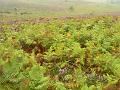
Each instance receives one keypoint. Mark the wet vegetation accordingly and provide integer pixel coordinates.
(68, 53)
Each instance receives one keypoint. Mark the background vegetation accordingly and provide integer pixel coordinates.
(51, 8)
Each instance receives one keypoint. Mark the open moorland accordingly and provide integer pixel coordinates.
(60, 46)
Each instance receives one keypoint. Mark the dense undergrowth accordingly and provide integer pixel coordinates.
(61, 55)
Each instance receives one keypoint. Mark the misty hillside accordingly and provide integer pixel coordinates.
(42, 5)
(57, 7)
(38, 3)
(51, 3)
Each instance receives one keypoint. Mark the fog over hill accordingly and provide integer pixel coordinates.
(62, 7)
(39, 2)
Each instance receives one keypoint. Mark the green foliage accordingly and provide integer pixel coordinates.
(60, 86)
(60, 55)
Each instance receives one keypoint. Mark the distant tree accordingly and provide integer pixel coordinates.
(15, 9)
(66, 0)
(71, 8)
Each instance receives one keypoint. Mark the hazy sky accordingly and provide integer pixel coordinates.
(54, 0)
(68, 0)
(38, 1)
(96, 0)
